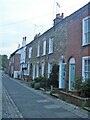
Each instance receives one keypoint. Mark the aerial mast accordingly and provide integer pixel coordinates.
(57, 8)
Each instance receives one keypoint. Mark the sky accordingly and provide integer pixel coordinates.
(20, 18)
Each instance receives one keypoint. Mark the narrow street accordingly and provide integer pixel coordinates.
(21, 101)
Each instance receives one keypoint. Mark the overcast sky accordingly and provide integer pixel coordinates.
(19, 18)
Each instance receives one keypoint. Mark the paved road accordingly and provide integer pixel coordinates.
(21, 101)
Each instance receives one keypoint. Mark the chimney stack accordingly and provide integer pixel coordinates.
(24, 41)
(58, 18)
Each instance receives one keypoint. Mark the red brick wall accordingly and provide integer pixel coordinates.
(17, 62)
(86, 51)
(74, 42)
(7, 67)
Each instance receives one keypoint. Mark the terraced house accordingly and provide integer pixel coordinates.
(66, 44)
(46, 49)
(78, 45)
(17, 61)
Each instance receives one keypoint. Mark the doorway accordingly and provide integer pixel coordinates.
(71, 73)
(62, 75)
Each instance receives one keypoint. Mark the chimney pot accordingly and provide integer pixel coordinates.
(62, 15)
(25, 38)
(58, 15)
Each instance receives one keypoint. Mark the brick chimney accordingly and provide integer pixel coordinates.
(58, 18)
(37, 35)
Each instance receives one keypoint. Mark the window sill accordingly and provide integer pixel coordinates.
(38, 56)
(43, 54)
(83, 45)
(50, 53)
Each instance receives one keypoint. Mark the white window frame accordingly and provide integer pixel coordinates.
(83, 66)
(28, 68)
(83, 31)
(44, 48)
(43, 68)
(34, 67)
(37, 70)
(30, 52)
(50, 49)
(38, 50)
(49, 69)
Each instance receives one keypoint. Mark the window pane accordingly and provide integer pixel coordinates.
(89, 24)
(30, 52)
(89, 68)
(44, 48)
(37, 70)
(52, 45)
(88, 37)
(88, 74)
(42, 69)
(86, 68)
(38, 50)
(86, 62)
(89, 65)
(86, 26)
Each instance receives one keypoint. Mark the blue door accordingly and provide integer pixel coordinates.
(71, 76)
(62, 75)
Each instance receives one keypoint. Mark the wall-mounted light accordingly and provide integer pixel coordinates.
(62, 58)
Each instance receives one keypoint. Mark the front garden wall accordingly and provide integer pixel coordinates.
(76, 100)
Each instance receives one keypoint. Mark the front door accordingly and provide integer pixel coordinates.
(71, 76)
(62, 75)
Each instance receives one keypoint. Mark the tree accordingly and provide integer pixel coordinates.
(54, 76)
(3, 60)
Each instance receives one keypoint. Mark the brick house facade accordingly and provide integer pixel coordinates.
(46, 50)
(67, 43)
(75, 48)
(7, 67)
(14, 63)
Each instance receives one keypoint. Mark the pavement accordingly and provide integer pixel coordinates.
(23, 101)
(0, 94)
